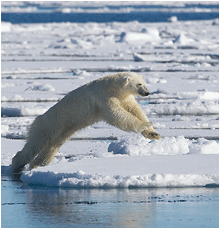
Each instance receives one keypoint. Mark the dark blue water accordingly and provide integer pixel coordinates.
(57, 6)
(31, 206)
(103, 17)
(46, 14)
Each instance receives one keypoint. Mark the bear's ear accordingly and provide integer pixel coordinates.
(126, 80)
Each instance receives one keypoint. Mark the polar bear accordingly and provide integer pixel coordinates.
(110, 99)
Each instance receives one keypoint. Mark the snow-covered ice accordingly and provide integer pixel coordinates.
(124, 173)
(179, 61)
(135, 162)
(139, 146)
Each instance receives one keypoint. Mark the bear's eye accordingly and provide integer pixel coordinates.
(139, 84)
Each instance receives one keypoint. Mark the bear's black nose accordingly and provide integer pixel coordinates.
(147, 93)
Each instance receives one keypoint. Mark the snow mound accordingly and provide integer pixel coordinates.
(140, 146)
(148, 35)
(181, 39)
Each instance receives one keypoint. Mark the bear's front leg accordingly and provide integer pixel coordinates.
(134, 108)
(117, 116)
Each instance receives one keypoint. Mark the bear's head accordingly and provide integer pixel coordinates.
(134, 84)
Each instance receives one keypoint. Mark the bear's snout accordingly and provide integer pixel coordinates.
(143, 92)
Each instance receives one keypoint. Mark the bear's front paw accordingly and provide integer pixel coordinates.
(153, 135)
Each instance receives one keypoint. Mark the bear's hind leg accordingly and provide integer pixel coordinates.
(49, 151)
(24, 157)
(44, 157)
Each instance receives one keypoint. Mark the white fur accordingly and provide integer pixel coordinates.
(110, 99)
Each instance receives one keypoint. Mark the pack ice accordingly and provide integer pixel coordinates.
(179, 63)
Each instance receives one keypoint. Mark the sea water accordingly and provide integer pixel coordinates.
(25, 206)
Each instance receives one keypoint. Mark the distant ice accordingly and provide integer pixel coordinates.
(149, 35)
(182, 39)
(22, 111)
(46, 87)
(172, 19)
(5, 27)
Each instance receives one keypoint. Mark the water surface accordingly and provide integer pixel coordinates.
(40, 206)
